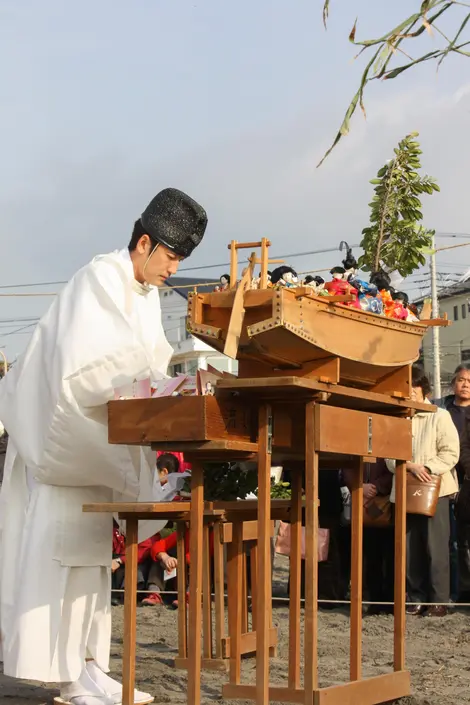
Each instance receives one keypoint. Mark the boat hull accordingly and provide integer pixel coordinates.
(282, 331)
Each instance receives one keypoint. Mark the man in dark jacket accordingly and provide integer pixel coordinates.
(458, 405)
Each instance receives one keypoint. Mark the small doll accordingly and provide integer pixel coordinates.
(224, 283)
(349, 262)
(401, 311)
(338, 286)
(382, 281)
(284, 277)
(317, 284)
(413, 313)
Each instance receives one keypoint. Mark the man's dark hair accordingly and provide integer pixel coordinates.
(168, 461)
(136, 235)
(463, 367)
(419, 379)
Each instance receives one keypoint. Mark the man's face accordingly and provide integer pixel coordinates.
(162, 264)
(462, 386)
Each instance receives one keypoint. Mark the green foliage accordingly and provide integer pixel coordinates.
(385, 49)
(228, 481)
(280, 490)
(395, 237)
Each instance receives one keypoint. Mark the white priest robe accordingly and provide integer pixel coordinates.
(103, 331)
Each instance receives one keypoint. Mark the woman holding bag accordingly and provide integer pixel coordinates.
(435, 453)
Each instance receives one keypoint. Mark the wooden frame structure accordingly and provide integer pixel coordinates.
(308, 366)
(216, 641)
(373, 425)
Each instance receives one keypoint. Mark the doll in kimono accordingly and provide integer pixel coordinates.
(382, 281)
(401, 310)
(338, 286)
(316, 284)
(350, 263)
(413, 313)
(284, 277)
(368, 296)
(224, 283)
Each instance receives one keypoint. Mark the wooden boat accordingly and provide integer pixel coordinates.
(291, 331)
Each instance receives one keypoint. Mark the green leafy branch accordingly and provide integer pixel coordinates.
(395, 237)
(385, 48)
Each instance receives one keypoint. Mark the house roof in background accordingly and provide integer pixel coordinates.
(184, 285)
(449, 291)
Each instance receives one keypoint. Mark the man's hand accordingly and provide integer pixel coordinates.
(369, 492)
(419, 471)
(115, 565)
(167, 561)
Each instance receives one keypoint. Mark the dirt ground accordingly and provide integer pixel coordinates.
(438, 655)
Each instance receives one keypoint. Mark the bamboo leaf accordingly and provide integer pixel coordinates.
(396, 72)
(352, 33)
(453, 42)
(344, 129)
(326, 12)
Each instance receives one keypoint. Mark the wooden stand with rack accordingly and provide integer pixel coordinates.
(377, 429)
(317, 380)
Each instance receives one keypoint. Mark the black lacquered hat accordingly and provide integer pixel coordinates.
(175, 220)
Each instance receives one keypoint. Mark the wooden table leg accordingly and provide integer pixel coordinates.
(219, 590)
(254, 583)
(244, 594)
(235, 596)
(400, 567)
(264, 596)
(181, 587)
(295, 580)
(311, 557)
(195, 581)
(356, 572)
(130, 612)
(206, 597)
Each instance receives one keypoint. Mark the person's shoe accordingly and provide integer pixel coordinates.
(416, 610)
(437, 611)
(113, 688)
(153, 599)
(84, 691)
(174, 604)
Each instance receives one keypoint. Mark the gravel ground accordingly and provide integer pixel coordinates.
(438, 656)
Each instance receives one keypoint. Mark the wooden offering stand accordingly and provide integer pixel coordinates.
(290, 418)
(317, 381)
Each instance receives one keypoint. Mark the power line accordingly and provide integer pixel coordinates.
(18, 330)
(185, 269)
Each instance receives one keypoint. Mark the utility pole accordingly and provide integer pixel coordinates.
(436, 347)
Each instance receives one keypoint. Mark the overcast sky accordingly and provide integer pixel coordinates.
(106, 102)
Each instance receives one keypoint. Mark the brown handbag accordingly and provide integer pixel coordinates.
(378, 513)
(422, 497)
